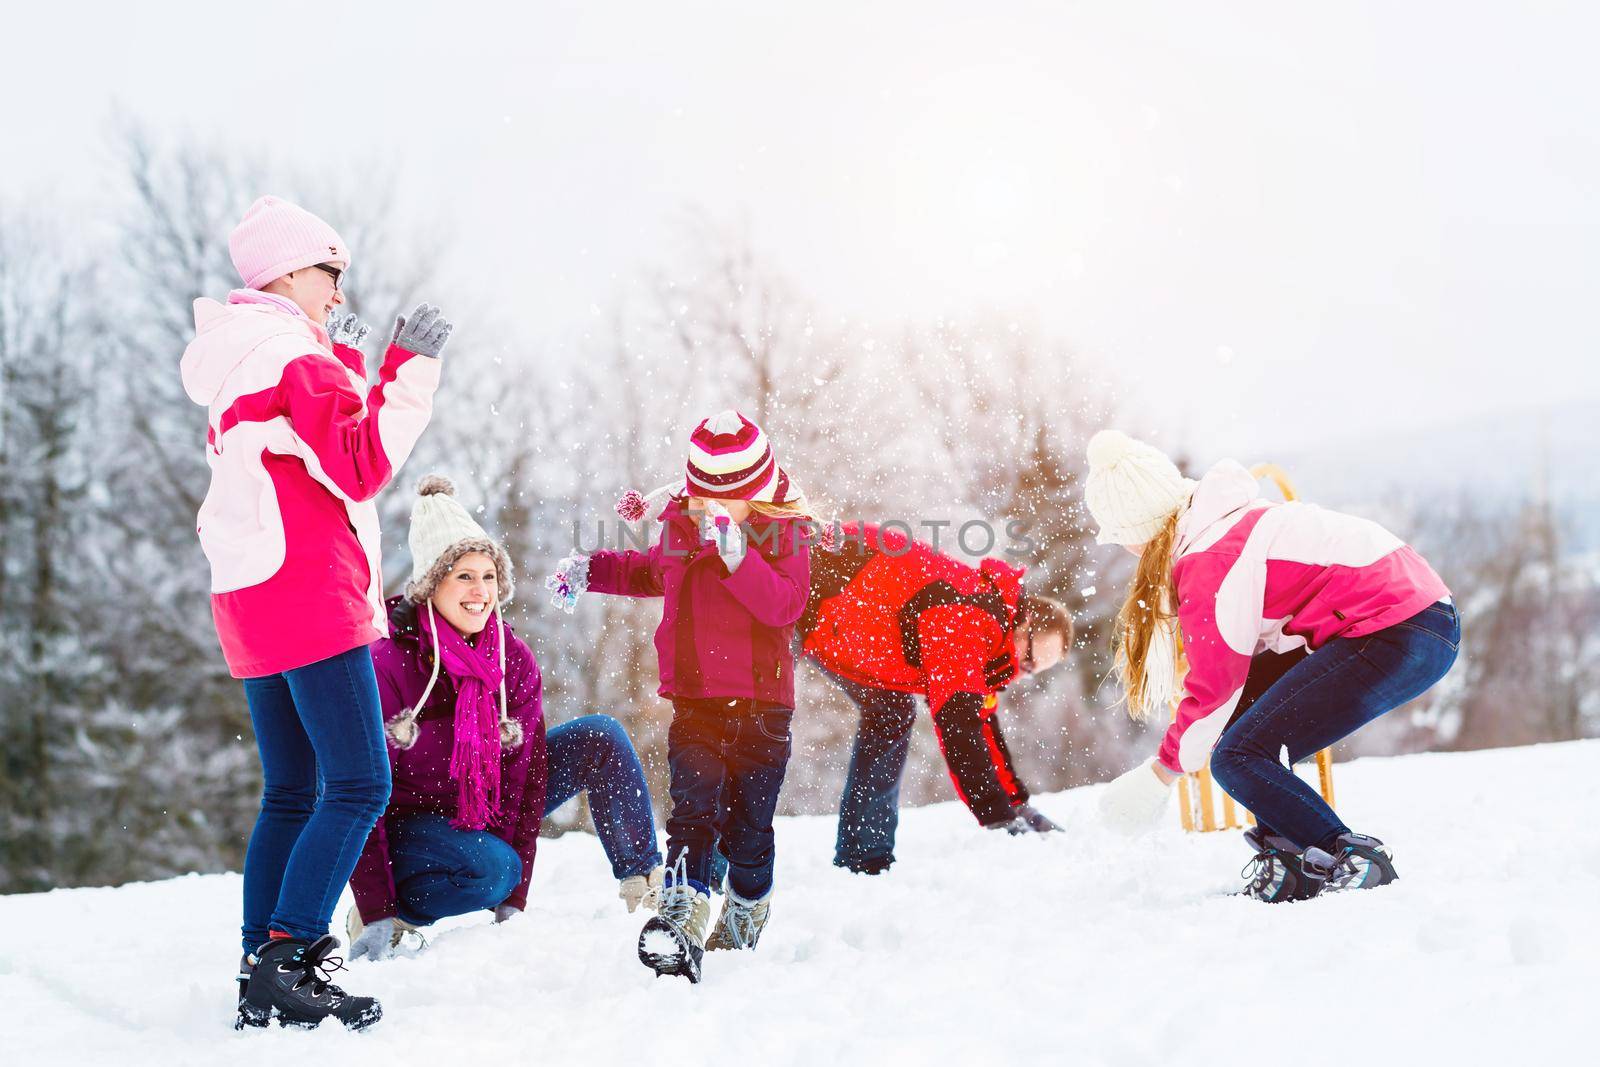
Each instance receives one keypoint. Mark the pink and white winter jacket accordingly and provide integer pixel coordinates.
(298, 448)
(1257, 576)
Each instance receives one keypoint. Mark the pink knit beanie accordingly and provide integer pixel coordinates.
(276, 237)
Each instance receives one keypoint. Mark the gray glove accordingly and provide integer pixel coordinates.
(506, 911)
(424, 333)
(377, 942)
(347, 329)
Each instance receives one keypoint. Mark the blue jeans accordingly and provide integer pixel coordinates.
(1321, 698)
(727, 759)
(441, 871)
(869, 809)
(593, 754)
(325, 781)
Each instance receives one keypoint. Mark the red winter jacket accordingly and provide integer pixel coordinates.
(299, 446)
(892, 613)
(721, 635)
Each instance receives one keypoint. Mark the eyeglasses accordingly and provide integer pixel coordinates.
(334, 272)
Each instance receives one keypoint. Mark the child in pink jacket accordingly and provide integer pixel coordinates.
(733, 568)
(1299, 625)
(298, 447)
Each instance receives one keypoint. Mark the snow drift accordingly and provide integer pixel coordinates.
(977, 948)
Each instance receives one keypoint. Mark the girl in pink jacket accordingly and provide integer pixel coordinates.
(298, 447)
(1299, 626)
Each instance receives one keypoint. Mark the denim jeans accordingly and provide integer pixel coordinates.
(869, 809)
(727, 759)
(441, 871)
(593, 754)
(1317, 700)
(325, 781)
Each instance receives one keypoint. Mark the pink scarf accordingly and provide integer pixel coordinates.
(476, 671)
(281, 303)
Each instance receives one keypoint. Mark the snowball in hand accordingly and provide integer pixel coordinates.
(1134, 800)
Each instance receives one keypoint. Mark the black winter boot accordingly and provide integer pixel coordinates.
(289, 981)
(1277, 873)
(1355, 861)
(247, 966)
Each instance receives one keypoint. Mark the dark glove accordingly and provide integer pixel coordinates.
(424, 333)
(1036, 820)
(1016, 826)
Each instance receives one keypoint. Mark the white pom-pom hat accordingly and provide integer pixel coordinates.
(441, 533)
(1132, 488)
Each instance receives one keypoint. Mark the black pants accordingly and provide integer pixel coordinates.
(727, 759)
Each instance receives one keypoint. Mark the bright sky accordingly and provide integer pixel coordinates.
(1277, 222)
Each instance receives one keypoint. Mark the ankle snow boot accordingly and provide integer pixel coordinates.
(289, 982)
(1356, 861)
(674, 941)
(741, 922)
(247, 966)
(1277, 873)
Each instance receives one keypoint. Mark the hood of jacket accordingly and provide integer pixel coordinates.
(226, 335)
(1226, 489)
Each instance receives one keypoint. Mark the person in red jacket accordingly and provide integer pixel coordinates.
(889, 617)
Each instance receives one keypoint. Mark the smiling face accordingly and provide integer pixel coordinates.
(312, 289)
(467, 593)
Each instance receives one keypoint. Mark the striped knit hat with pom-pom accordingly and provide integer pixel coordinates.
(441, 533)
(730, 458)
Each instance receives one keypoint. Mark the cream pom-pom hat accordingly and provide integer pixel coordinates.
(1132, 488)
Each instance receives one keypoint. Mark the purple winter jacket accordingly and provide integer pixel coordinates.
(721, 635)
(422, 781)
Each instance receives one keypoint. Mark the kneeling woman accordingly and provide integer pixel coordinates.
(474, 772)
(1301, 625)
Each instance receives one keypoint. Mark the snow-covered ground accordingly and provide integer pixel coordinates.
(1082, 948)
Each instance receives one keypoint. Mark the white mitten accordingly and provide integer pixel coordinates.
(719, 526)
(1133, 801)
(569, 582)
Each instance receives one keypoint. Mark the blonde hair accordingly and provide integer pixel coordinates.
(798, 508)
(1146, 634)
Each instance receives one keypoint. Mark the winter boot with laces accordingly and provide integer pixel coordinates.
(1277, 873)
(674, 940)
(289, 982)
(741, 922)
(1355, 861)
(247, 966)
